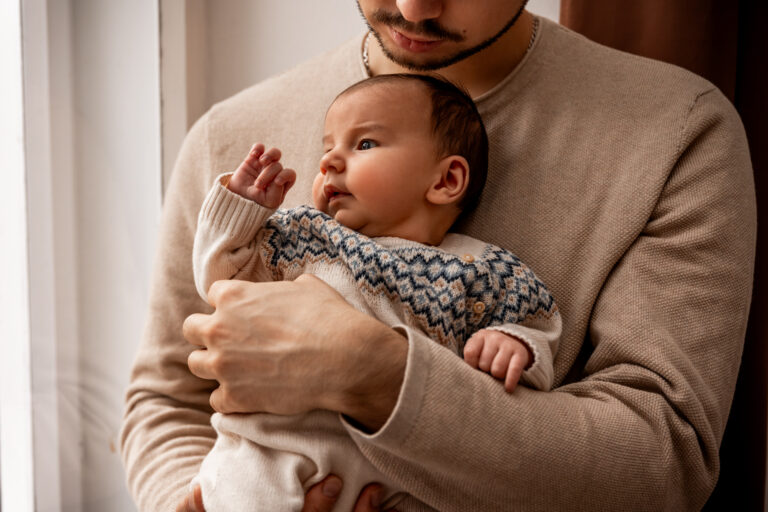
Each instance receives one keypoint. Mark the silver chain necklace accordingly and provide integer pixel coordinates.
(367, 62)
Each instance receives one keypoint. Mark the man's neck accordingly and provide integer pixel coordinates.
(478, 73)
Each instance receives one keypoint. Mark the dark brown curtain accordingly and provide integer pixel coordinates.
(725, 41)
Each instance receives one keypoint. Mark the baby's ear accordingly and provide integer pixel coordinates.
(451, 183)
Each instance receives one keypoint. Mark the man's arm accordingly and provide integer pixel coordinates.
(666, 333)
(290, 347)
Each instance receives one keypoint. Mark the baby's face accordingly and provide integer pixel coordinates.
(380, 158)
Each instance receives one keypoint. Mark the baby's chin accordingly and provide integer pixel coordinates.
(356, 222)
(347, 219)
(323, 207)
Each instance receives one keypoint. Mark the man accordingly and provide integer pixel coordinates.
(626, 185)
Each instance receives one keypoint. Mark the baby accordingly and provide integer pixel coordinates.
(405, 157)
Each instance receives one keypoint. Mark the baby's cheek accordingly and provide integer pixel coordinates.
(317, 194)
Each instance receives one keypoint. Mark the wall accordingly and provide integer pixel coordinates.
(105, 120)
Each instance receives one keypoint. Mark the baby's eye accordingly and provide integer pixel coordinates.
(366, 144)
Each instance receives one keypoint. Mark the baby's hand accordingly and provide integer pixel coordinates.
(261, 177)
(499, 354)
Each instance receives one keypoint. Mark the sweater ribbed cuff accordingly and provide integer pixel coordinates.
(408, 406)
(540, 374)
(226, 212)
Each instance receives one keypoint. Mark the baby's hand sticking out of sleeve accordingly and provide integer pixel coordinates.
(262, 178)
(503, 356)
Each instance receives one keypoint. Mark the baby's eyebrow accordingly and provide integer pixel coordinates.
(370, 127)
(357, 130)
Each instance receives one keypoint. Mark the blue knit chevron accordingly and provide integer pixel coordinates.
(438, 288)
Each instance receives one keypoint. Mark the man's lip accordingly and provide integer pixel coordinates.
(413, 44)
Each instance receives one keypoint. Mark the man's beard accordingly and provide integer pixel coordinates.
(433, 29)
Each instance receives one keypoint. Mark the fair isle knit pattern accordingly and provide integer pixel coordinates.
(448, 297)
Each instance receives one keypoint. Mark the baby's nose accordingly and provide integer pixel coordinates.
(331, 162)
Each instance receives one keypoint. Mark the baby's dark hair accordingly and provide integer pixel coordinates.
(456, 125)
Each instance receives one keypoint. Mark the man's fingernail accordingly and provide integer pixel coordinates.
(332, 487)
(376, 498)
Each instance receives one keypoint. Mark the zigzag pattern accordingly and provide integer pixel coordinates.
(438, 289)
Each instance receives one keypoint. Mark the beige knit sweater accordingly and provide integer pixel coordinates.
(624, 182)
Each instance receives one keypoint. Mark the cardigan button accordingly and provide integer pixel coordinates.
(468, 258)
(478, 307)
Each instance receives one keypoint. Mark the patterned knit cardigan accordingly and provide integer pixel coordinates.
(449, 292)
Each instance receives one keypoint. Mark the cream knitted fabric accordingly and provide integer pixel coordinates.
(624, 182)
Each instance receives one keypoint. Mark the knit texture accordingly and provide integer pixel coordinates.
(626, 183)
(449, 292)
(268, 462)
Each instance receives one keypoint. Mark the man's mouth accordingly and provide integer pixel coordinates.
(413, 43)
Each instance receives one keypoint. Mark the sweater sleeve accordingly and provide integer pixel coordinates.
(526, 310)
(226, 241)
(644, 422)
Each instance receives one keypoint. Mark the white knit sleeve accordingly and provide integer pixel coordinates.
(226, 240)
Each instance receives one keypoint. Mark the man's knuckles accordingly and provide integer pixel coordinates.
(213, 330)
(233, 399)
(218, 363)
(218, 401)
(225, 291)
(307, 279)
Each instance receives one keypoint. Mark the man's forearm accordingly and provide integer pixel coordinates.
(462, 442)
(376, 376)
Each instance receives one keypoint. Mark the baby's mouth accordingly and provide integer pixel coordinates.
(333, 193)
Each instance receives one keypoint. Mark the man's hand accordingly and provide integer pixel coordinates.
(323, 495)
(320, 498)
(291, 347)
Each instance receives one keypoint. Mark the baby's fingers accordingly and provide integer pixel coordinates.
(286, 188)
(517, 364)
(501, 360)
(487, 355)
(268, 175)
(276, 190)
(248, 170)
(472, 349)
(256, 150)
(285, 180)
(269, 156)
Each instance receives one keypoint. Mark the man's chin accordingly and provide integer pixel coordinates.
(416, 62)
